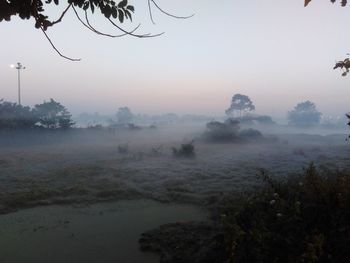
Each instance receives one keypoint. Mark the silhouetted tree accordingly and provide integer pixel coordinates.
(124, 115)
(304, 114)
(240, 103)
(53, 115)
(14, 116)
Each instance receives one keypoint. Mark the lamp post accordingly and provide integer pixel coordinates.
(19, 67)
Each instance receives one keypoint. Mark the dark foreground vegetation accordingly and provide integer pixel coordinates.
(303, 218)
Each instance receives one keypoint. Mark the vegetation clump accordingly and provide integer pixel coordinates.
(301, 219)
(222, 131)
(123, 148)
(47, 115)
(250, 134)
(229, 131)
(186, 150)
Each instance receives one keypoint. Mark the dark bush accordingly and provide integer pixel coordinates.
(250, 134)
(123, 148)
(222, 131)
(186, 150)
(132, 126)
(301, 219)
(157, 151)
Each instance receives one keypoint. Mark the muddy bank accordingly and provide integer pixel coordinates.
(105, 232)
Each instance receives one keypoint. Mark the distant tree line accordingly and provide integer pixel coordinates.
(304, 114)
(47, 115)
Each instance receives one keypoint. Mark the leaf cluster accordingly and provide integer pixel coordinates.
(26, 9)
(342, 2)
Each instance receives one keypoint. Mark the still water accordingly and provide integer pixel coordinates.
(105, 232)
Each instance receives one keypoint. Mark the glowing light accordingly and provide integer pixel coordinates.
(12, 66)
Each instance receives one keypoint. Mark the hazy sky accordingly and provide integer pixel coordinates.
(275, 51)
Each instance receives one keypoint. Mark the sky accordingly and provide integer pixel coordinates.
(275, 51)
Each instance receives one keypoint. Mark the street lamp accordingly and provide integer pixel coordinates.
(19, 67)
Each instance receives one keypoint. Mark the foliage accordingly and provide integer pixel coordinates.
(112, 10)
(53, 115)
(157, 151)
(344, 65)
(250, 134)
(304, 114)
(134, 127)
(240, 103)
(222, 131)
(304, 218)
(186, 150)
(123, 148)
(342, 2)
(124, 115)
(27, 9)
(14, 116)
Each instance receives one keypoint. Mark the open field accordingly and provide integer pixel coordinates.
(86, 166)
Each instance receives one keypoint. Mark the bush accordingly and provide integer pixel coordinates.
(228, 131)
(222, 131)
(132, 126)
(123, 148)
(157, 151)
(186, 150)
(250, 134)
(301, 219)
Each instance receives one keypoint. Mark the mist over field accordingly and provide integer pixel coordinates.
(174, 131)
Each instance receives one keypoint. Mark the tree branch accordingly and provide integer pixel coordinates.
(132, 34)
(168, 14)
(63, 14)
(104, 34)
(150, 11)
(53, 46)
(94, 30)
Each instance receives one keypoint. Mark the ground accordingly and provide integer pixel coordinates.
(86, 166)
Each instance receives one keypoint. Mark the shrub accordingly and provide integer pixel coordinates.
(250, 134)
(132, 126)
(186, 150)
(301, 219)
(222, 131)
(157, 151)
(123, 148)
